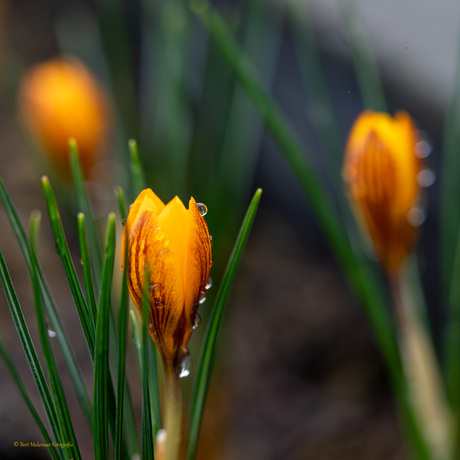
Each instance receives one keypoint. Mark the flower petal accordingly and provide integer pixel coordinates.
(149, 250)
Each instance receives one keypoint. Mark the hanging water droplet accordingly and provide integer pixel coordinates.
(51, 333)
(416, 216)
(123, 222)
(211, 263)
(426, 177)
(147, 266)
(202, 298)
(422, 148)
(196, 321)
(202, 208)
(210, 237)
(150, 325)
(208, 284)
(131, 205)
(185, 365)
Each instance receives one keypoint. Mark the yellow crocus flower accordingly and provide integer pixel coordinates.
(380, 170)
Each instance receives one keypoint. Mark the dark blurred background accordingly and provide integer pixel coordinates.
(299, 375)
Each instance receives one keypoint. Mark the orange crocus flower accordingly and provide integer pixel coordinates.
(380, 170)
(59, 99)
(170, 244)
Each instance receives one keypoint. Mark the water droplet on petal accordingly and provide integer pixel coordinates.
(426, 177)
(185, 365)
(210, 237)
(131, 205)
(196, 321)
(123, 222)
(202, 208)
(416, 216)
(202, 298)
(150, 325)
(208, 284)
(51, 333)
(147, 266)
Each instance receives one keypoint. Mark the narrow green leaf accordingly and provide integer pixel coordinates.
(121, 366)
(87, 271)
(121, 200)
(83, 202)
(51, 310)
(25, 396)
(28, 347)
(148, 429)
(137, 172)
(209, 343)
(69, 268)
(57, 390)
(102, 379)
(370, 84)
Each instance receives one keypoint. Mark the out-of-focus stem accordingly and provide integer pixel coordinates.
(422, 372)
(172, 412)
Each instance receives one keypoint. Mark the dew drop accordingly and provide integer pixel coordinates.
(123, 222)
(131, 205)
(147, 266)
(208, 284)
(196, 321)
(51, 333)
(202, 298)
(422, 148)
(202, 208)
(426, 177)
(416, 216)
(121, 267)
(185, 365)
(150, 325)
(210, 237)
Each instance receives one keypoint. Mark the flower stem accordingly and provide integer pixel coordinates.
(422, 372)
(173, 412)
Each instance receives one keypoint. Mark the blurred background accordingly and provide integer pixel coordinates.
(298, 375)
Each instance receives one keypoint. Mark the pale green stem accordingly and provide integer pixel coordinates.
(422, 372)
(172, 412)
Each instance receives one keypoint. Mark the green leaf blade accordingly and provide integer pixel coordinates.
(209, 343)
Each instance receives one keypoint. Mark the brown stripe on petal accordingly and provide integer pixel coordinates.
(148, 250)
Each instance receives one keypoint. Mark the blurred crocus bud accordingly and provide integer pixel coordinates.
(380, 170)
(60, 99)
(168, 257)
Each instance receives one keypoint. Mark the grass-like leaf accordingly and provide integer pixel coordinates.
(137, 172)
(209, 343)
(370, 84)
(121, 366)
(57, 390)
(51, 310)
(83, 203)
(102, 378)
(148, 428)
(29, 349)
(69, 268)
(87, 271)
(25, 396)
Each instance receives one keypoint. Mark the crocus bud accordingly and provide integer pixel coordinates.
(58, 100)
(380, 170)
(171, 245)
